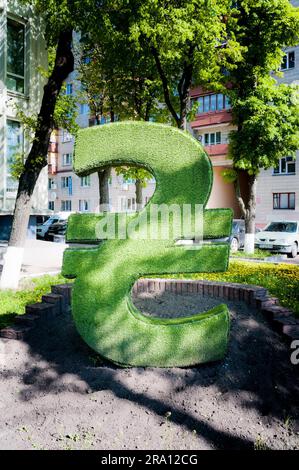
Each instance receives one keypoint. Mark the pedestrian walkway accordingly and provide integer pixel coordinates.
(40, 257)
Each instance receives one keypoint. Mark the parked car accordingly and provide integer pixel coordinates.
(237, 238)
(59, 228)
(282, 237)
(43, 229)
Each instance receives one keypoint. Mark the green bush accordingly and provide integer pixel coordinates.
(102, 307)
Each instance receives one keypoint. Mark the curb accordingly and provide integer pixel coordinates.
(59, 301)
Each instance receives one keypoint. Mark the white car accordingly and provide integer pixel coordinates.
(42, 230)
(282, 237)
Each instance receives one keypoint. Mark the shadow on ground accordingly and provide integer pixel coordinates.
(252, 396)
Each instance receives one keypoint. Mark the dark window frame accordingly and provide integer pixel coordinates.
(212, 103)
(277, 201)
(21, 78)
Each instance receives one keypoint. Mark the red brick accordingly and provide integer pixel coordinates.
(216, 290)
(15, 332)
(226, 292)
(292, 331)
(57, 300)
(178, 287)
(185, 287)
(151, 286)
(199, 287)
(221, 291)
(65, 290)
(168, 287)
(162, 285)
(27, 319)
(236, 293)
(231, 292)
(41, 309)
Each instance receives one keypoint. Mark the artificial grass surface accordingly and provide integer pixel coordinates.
(102, 307)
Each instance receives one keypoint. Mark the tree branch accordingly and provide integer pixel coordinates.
(38, 155)
(165, 87)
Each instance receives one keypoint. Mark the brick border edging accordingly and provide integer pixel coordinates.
(52, 305)
(281, 319)
(59, 301)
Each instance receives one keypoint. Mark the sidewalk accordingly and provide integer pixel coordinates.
(40, 257)
(279, 259)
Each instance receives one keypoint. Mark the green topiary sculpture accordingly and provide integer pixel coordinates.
(102, 307)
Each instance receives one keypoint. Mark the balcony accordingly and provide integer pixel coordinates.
(52, 169)
(212, 118)
(217, 150)
(53, 147)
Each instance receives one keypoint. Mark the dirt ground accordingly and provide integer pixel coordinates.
(55, 393)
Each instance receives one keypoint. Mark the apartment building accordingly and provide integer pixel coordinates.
(70, 193)
(211, 126)
(22, 53)
(278, 188)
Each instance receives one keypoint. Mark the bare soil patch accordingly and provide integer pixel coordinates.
(55, 393)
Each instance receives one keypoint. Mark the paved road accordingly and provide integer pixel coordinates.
(42, 257)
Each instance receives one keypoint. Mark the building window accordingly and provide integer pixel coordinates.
(51, 205)
(15, 147)
(15, 74)
(50, 183)
(15, 140)
(84, 108)
(85, 181)
(67, 159)
(66, 206)
(287, 166)
(284, 201)
(214, 102)
(11, 185)
(69, 89)
(288, 61)
(84, 206)
(66, 136)
(67, 183)
(213, 138)
(123, 203)
(131, 204)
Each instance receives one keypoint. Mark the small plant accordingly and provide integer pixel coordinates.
(260, 444)
(281, 280)
(288, 423)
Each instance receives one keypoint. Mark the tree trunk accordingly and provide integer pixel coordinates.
(183, 121)
(250, 215)
(104, 176)
(37, 158)
(139, 194)
(248, 211)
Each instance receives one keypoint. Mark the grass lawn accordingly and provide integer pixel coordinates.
(258, 254)
(281, 280)
(30, 292)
